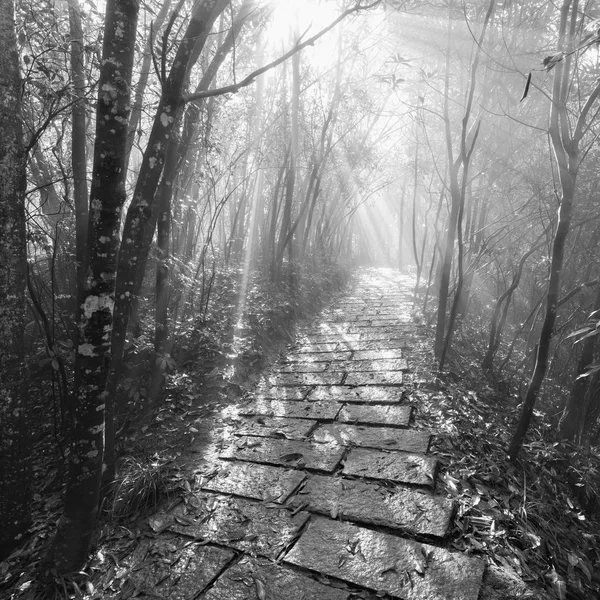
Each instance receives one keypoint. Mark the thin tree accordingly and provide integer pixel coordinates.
(15, 438)
(107, 196)
(565, 144)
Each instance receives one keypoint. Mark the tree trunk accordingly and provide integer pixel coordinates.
(107, 197)
(15, 436)
(565, 143)
(571, 422)
(140, 222)
(78, 142)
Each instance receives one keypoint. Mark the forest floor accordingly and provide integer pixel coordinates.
(351, 470)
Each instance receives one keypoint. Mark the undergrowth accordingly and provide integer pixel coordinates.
(539, 518)
(216, 354)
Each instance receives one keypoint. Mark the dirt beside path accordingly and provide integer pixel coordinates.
(321, 485)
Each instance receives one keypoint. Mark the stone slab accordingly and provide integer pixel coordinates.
(291, 429)
(382, 335)
(383, 321)
(387, 414)
(354, 365)
(333, 338)
(239, 523)
(293, 409)
(302, 367)
(377, 354)
(375, 378)
(290, 453)
(376, 344)
(400, 467)
(382, 438)
(312, 348)
(172, 567)
(261, 482)
(386, 563)
(302, 379)
(283, 393)
(365, 395)
(407, 509)
(252, 578)
(318, 357)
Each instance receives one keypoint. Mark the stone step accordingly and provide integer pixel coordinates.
(291, 429)
(259, 579)
(382, 438)
(375, 378)
(290, 453)
(238, 523)
(407, 509)
(364, 395)
(261, 482)
(385, 563)
(400, 467)
(373, 414)
(294, 409)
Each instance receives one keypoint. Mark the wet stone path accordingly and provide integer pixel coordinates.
(321, 486)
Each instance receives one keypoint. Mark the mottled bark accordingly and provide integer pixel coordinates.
(15, 439)
(140, 222)
(107, 196)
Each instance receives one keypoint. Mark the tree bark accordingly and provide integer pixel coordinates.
(15, 436)
(78, 142)
(565, 146)
(107, 196)
(140, 222)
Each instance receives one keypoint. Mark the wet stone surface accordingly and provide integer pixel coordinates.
(172, 567)
(344, 393)
(262, 482)
(385, 563)
(267, 392)
(260, 579)
(324, 441)
(400, 467)
(291, 429)
(304, 367)
(374, 437)
(380, 343)
(312, 348)
(333, 338)
(292, 379)
(375, 378)
(238, 523)
(377, 354)
(387, 414)
(374, 365)
(408, 509)
(293, 409)
(318, 357)
(290, 453)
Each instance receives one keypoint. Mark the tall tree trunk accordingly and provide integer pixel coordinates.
(78, 142)
(107, 197)
(140, 89)
(140, 222)
(15, 436)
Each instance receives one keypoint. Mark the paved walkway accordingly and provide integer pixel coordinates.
(321, 486)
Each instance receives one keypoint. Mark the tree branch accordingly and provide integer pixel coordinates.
(235, 87)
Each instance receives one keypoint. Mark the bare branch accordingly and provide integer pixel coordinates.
(235, 87)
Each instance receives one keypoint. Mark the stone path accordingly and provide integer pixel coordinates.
(321, 486)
